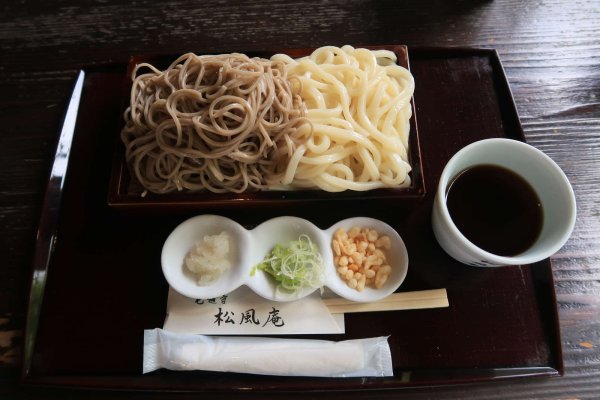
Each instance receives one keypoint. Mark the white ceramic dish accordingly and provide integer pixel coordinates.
(249, 247)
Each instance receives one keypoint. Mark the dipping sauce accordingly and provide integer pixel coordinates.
(495, 209)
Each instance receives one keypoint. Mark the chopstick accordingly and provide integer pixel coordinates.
(435, 298)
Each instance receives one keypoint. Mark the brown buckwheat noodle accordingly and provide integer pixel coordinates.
(223, 123)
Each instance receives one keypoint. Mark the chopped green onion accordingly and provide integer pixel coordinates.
(295, 266)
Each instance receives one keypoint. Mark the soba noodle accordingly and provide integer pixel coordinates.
(220, 123)
(358, 103)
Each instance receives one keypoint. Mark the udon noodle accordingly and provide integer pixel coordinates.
(358, 102)
(335, 120)
(220, 123)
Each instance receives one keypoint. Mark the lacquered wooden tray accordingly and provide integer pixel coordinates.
(105, 286)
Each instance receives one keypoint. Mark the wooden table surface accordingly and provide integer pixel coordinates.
(550, 50)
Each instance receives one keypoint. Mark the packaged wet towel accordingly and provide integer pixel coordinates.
(267, 356)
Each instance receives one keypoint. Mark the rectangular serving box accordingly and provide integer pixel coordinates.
(125, 193)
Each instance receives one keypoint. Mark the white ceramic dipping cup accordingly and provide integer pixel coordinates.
(540, 171)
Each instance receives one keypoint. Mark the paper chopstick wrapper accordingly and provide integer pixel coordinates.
(421, 299)
(267, 356)
(243, 312)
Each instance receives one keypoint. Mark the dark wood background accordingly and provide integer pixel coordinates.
(550, 50)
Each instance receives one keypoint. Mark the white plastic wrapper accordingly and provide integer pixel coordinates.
(267, 356)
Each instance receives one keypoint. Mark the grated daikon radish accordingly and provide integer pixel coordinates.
(208, 259)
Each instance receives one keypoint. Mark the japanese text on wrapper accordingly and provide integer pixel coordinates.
(249, 316)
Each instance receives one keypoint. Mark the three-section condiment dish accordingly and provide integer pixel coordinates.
(249, 247)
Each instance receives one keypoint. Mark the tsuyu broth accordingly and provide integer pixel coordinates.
(495, 209)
